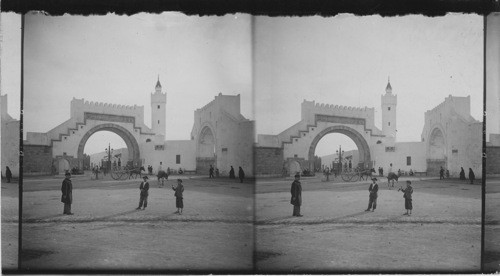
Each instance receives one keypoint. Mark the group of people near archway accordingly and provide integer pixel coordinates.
(212, 170)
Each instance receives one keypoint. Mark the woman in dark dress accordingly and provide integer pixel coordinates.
(241, 175)
(8, 174)
(471, 176)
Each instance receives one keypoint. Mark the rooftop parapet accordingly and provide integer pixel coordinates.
(79, 106)
(311, 107)
(460, 104)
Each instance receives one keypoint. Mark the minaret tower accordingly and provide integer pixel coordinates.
(389, 103)
(158, 110)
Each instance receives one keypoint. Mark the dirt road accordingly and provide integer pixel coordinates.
(336, 235)
(492, 226)
(215, 233)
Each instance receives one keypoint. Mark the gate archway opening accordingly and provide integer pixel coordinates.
(364, 157)
(436, 151)
(95, 150)
(131, 144)
(328, 149)
(205, 150)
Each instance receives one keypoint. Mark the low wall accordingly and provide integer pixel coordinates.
(493, 160)
(37, 160)
(268, 161)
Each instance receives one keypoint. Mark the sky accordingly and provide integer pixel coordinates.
(10, 69)
(117, 59)
(343, 60)
(347, 60)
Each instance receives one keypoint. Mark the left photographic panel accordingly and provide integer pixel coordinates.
(10, 85)
(138, 141)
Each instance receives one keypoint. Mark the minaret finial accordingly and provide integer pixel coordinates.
(158, 85)
(388, 88)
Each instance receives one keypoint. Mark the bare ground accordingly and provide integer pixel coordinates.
(491, 256)
(215, 232)
(336, 235)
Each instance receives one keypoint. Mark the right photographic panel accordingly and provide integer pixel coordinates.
(491, 253)
(369, 143)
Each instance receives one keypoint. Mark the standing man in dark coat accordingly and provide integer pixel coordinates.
(67, 194)
(211, 172)
(179, 204)
(231, 173)
(373, 189)
(441, 173)
(407, 196)
(241, 174)
(144, 187)
(8, 174)
(296, 200)
(471, 176)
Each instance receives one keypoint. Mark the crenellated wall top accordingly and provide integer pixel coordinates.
(322, 108)
(79, 106)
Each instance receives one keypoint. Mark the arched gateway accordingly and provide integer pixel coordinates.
(66, 142)
(297, 144)
(130, 141)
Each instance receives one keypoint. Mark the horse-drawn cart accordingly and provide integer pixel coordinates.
(123, 173)
(356, 175)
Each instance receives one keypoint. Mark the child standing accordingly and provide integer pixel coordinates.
(179, 204)
(407, 195)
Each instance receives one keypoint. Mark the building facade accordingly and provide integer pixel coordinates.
(451, 138)
(221, 137)
(10, 139)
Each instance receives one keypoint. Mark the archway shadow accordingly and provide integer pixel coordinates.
(119, 214)
(42, 218)
(268, 220)
(351, 215)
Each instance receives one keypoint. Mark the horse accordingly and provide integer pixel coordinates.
(136, 171)
(391, 176)
(366, 173)
(163, 176)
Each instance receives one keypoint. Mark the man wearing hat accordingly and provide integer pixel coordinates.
(144, 187)
(67, 193)
(373, 189)
(296, 200)
(179, 204)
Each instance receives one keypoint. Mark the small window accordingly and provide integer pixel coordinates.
(389, 123)
(454, 151)
(73, 132)
(158, 121)
(148, 140)
(408, 160)
(65, 137)
(389, 108)
(303, 134)
(178, 159)
(295, 155)
(390, 149)
(158, 106)
(296, 140)
(224, 149)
